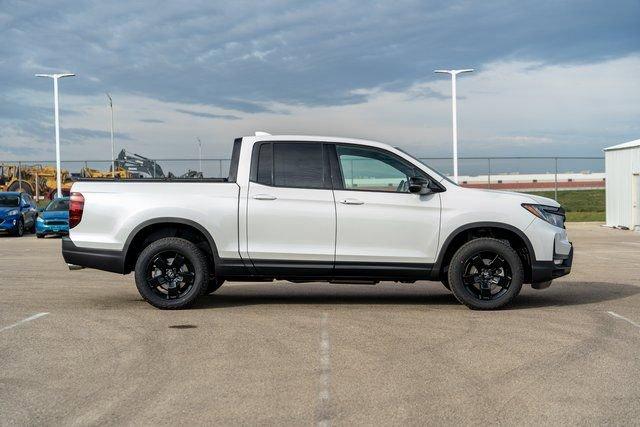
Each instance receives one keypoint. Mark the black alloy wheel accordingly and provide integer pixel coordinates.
(485, 273)
(487, 276)
(170, 275)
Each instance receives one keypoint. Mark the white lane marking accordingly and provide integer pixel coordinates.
(28, 319)
(324, 414)
(617, 316)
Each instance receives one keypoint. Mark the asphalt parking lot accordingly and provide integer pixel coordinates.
(317, 353)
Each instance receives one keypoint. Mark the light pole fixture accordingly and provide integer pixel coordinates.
(113, 153)
(454, 113)
(199, 154)
(55, 78)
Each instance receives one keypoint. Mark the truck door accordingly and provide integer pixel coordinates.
(291, 214)
(379, 223)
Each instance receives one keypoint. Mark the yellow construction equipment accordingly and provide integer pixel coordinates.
(23, 178)
(88, 172)
(36, 180)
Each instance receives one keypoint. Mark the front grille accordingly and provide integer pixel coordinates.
(56, 222)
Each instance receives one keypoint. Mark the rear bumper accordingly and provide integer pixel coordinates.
(542, 271)
(100, 259)
(51, 229)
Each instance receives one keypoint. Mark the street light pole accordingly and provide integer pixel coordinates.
(55, 78)
(454, 114)
(113, 154)
(200, 154)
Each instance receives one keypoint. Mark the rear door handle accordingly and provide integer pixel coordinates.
(351, 202)
(264, 197)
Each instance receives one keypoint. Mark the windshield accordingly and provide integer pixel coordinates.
(9, 201)
(58, 205)
(440, 174)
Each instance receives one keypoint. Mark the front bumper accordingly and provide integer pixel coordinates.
(100, 259)
(543, 271)
(8, 224)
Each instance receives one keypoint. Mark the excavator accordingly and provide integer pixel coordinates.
(141, 167)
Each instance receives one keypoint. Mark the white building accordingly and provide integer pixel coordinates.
(622, 166)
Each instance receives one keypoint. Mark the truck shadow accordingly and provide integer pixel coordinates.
(559, 294)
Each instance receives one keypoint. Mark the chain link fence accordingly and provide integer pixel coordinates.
(519, 173)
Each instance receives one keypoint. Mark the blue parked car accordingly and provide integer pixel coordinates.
(17, 213)
(54, 219)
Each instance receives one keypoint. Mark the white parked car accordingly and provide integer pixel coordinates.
(307, 208)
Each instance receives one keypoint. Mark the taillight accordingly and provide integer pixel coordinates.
(76, 206)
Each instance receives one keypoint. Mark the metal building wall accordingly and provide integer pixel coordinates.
(620, 165)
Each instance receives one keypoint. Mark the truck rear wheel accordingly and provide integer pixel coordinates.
(171, 273)
(485, 274)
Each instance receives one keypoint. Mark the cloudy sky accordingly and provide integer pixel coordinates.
(553, 77)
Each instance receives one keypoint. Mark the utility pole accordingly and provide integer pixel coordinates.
(199, 154)
(55, 78)
(113, 153)
(454, 113)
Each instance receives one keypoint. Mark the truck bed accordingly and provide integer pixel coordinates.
(114, 209)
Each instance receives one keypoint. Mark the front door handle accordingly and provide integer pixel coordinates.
(351, 202)
(264, 197)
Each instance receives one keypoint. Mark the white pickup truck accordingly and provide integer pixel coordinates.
(306, 208)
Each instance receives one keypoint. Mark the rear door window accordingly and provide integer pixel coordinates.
(265, 165)
(298, 165)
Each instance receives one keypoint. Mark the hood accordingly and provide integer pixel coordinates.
(543, 200)
(55, 215)
(521, 197)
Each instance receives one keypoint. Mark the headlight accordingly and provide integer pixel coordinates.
(13, 212)
(40, 219)
(553, 215)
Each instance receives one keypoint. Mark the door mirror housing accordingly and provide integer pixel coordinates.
(420, 186)
(423, 186)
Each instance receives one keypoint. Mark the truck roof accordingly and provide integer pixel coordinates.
(262, 136)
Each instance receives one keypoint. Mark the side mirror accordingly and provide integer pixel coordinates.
(420, 186)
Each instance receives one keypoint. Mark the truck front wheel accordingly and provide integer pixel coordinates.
(485, 274)
(171, 273)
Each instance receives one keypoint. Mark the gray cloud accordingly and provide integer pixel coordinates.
(200, 52)
(207, 115)
(151, 121)
(426, 93)
(80, 135)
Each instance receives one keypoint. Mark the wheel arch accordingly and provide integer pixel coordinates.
(468, 232)
(156, 228)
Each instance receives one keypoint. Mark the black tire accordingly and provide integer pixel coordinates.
(40, 236)
(213, 285)
(22, 186)
(19, 231)
(486, 274)
(166, 286)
